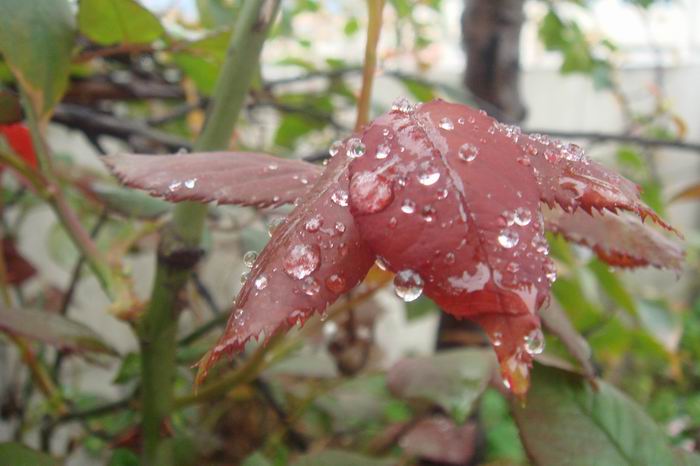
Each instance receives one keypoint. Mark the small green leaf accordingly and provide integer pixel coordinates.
(118, 22)
(36, 41)
(566, 421)
(129, 370)
(16, 454)
(351, 26)
(124, 457)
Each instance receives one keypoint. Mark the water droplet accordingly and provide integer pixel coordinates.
(408, 285)
(313, 224)
(449, 258)
(402, 105)
(174, 186)
(550, 272)
(508, 238)
(335, 148)
(551, 156)
(468, 152)
(442, 194)
(522, 216)
(429, 177)
(393, 221)
(274, 224)
(370, 192)
(296, 317)
(531, 149)
(428, 212)
(249, 258)
(512, 267)
(460, 120)
(244, 277)
(335, 283)
(340, 197)
(261, 282)
(408, 206)
(302, 260)
(507, 218)
(381, 263)
(272, 167)
(189, 184)
(340, 227)
(383, 151)
(534, 342)
(238, 313)
(356, 148)
(524, 161)
(310, 286)
(497, 339)
(446, 124)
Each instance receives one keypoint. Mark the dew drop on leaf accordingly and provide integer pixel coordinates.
(335, 148)
(468, 152)
(382, 151)
(274, 223)
(244, 277)
(335, 283)
(340, 197)
(522, 216)
(429, 177)
(408, 206)
(249, 258)
(446, 124)
(370, 192)
(356, 148)
(190, 184)
(508, 238)
(313, 224)
(310, 286)
(534, 342)
(428, 212)
(301, 260)
(497, 339)
(408, 285)
(261, 282)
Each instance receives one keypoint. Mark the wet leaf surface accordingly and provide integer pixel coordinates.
(438, 439)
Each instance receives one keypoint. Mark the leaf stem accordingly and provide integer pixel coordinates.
(374, 28)
(179, 245)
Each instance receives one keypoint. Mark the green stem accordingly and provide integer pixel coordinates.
(374, 28)
(179, 246)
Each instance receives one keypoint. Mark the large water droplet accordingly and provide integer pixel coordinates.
(335, 148)
(468, 152)
(249, 258)
(302, 260)
(508, 238)
(383, 151)
(261, 282)
(429, 177)
(310, 286)
(446, 124)
(340, 197)
(370, 192)
(335, 283)
(534, 342)
(408, 285)
(356, 148)
(522, 216)
(408, 206)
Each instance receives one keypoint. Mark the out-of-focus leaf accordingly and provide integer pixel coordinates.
(353, 405)
(690, 193)
(619, 240)
(686, 458)
(557, 322)
(53, 329)
(566, 421)
(124, 457)
(257, 459)
(202, 59)
(216, 13)
(17, 268)
(352, 25)
(10, 107)
(110, 22)
(420, 91)
(420, 308)
(340, 458)
(293, 127)
(225, 177)
(129, 370)
(451, 379)
(503, 444)
(439, 440)
(661, 323)
(16, 454)
(36, 41)
(129, 202)
(613, 286)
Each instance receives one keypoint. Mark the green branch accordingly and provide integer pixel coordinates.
(178, 251)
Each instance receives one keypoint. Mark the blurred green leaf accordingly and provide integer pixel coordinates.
(130, 202)
(16, 454)
(661, 323)
(613, 286)
(36, 41)
(419, 308)
(352, 25)
(452, 379)
(129, 370)
(217, 13)
(566, 421)
(202, 59)
(124, 457)
(502, 440)
(256, 459)
(422, 92)
(10, 107)
(109, 22)
(340, 458)
(293, 127)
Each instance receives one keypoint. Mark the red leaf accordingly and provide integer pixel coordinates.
(451, 207)
(20, 140)
(619, 240)
(244, 178)
(17, 268)
(439, 439)
(313, 257)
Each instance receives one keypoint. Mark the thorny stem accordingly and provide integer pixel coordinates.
(374, 9)
(178, 250)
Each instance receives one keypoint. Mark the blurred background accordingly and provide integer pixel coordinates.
(619, 78)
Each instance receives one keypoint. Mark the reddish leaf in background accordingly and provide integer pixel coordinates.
(17, 268)
(444, 196)
(243, 178)
(20, 140)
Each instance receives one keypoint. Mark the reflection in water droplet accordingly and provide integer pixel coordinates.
(381, 263)
(340, 197)
(522, 216)
(302, 260)
(370, 192)
(356, 148)
(408, 285)
(460, 120)
(310, 286)
(340, 227)
(189, 184)
(174, 186)
(497, 339)
(244, 277)
(468, 152)
(508, 238)
(408, 206)
(442, 194)
(449, 258)
(428, 212)
(402, 105)
(382, 151)
(335, 148)
(335, 283)
(534, 342)
(261, 282)
(274, 224)
(429, 177)
(446, 124)
(249, 258)
(313, 224)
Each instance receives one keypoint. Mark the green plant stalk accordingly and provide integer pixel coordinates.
(374, 28)
(179, 246)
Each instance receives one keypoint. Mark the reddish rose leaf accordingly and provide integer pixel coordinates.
(312, 258)
(17, 268)
(20, 140)
(619, 240)
(450, 207)
(440, 440)
(243, 178)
